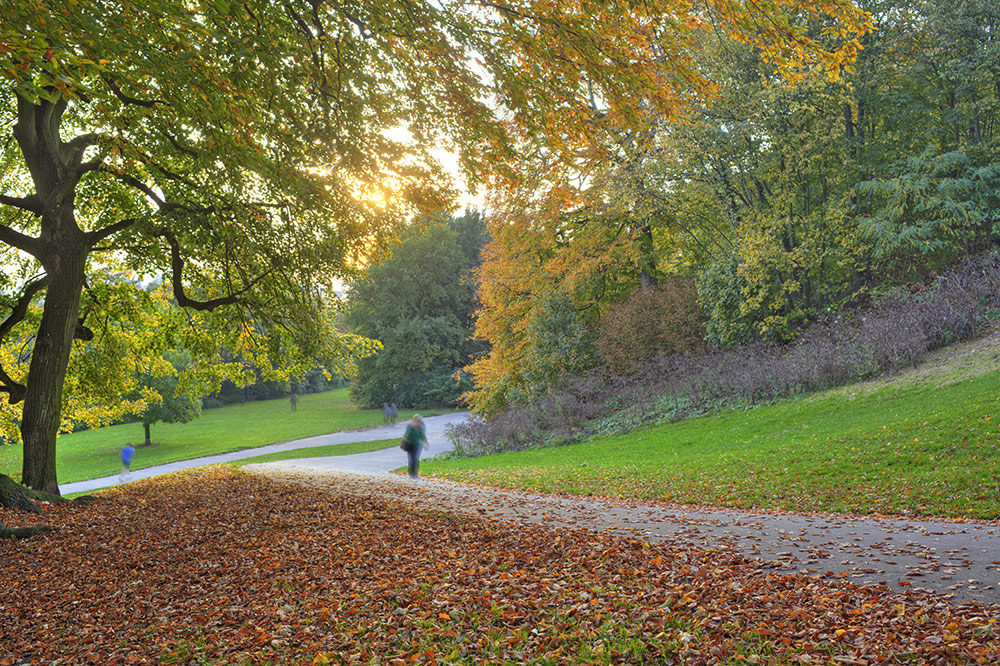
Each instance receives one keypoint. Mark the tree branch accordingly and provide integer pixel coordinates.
(127, 99)
(95, 237)
(177, 145)
(20, 241)
(139, 185)
(31, 204)
(164, 206)
(15, 390)
(177, 268)
(82, 142)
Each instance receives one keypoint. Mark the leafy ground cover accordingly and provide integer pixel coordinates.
(216, 567)
(94, 453)
(915, 446)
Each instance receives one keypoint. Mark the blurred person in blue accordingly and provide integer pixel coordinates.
(128, 451)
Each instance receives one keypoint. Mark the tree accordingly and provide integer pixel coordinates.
(241, 148)
(165, 402)
(418, 301)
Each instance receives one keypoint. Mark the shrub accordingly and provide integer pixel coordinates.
(664, 320)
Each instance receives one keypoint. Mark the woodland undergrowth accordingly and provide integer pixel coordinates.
(895, 331)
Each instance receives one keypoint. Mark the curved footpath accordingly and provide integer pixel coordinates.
(385, 460)
(959, 560)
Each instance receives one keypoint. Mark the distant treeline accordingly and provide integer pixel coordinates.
(313, 382)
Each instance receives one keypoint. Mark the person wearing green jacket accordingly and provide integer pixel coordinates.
(414, 440)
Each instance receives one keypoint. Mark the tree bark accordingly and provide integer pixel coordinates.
(149, 442)
(14, 496)
(62, 248)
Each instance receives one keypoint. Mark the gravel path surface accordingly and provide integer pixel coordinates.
(959, 560)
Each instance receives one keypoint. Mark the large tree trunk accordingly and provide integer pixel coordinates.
(49, 361)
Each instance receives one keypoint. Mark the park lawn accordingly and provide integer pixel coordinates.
(912, 448)
(95, 453)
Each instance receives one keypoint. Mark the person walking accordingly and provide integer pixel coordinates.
(414, 440)
(127, 452)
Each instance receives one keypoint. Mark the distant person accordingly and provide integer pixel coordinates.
(414, 440)
(392, 413)
(294, 400)
(385, 413)
(127, 452)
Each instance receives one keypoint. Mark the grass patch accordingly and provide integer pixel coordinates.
(94, 453)
(320, 452)
(917, 448)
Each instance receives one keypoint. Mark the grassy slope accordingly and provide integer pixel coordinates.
(94, 453)
(923, 443)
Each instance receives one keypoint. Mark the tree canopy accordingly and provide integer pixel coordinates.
(784, 198)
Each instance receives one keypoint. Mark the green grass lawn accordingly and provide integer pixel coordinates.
(905, 446)
(94, 453)
(321, 452)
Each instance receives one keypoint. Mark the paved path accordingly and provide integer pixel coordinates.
(961, 560)
(375, 461)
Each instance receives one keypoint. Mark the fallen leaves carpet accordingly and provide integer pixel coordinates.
(218, 567)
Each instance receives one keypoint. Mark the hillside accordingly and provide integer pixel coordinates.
(922, 442)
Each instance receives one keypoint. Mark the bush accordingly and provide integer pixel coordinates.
(664, 320)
